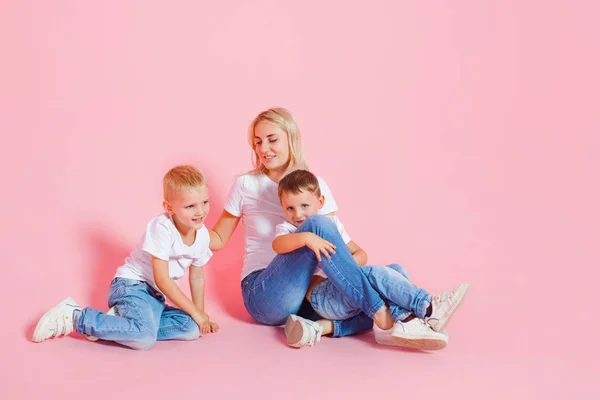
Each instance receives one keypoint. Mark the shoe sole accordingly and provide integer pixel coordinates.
(460, 291)
(294, 331)
(38, 328)
(111, 311)
(417, 343)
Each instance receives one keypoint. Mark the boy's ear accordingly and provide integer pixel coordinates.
(321, 201)
(167, 207)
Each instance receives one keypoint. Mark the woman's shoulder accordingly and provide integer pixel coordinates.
(249, 182)
(248, 178)
(322, 183)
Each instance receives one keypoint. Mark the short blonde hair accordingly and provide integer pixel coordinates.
(285, 121)
(299, 181)
(182, 178)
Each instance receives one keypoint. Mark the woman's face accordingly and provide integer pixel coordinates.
(271, 145)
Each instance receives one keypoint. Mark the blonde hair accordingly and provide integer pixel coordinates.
(182, 178)
(299, 181)
(285, 121)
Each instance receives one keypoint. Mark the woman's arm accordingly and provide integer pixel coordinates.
(222, 231)
(360, 256)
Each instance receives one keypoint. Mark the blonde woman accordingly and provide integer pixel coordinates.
(274, 285)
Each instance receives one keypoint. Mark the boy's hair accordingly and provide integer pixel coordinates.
(285, 121)
(299, 181)
(182, 178)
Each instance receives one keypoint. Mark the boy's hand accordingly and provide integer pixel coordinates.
(319, 245)
(203, 322)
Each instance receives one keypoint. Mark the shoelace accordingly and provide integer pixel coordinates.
(424, 324)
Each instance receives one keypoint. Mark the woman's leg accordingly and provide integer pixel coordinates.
(277, 291)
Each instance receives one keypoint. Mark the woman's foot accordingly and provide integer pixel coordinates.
(383, 319)
(413, 334)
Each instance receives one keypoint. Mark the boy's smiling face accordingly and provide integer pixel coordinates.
(189, 208)
(298, 207)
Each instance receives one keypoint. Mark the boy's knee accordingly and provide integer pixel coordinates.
(318, 223)
(399, 268)
(193, 332)
(143, 342)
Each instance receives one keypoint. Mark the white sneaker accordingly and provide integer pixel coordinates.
(111, 311)
(444, 305)
(301, 332)
(413, 334)
(56, 322)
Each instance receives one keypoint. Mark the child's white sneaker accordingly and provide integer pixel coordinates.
(301, 332)
(413, 334)
(444, 305)
(56, 322)
(111, 311)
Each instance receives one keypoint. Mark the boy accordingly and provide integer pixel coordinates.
(139, 315)
(419, 317)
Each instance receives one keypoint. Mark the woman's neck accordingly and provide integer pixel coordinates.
(276, 174)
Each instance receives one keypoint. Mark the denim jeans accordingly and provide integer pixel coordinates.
(391, 283)
(341, 328)
(273, 293)
(142, 317)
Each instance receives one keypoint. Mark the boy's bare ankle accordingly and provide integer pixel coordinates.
(327, 326)
(383, 319)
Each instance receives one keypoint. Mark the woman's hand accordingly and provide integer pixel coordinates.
(319, 245)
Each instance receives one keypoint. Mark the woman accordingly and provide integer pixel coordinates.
(274, 286)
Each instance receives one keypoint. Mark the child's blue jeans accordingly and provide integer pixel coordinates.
(390, 282)
(142, 317)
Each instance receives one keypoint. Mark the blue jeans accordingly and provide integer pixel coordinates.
(142, 317)
(341, 328)
(272, 294)
(391, 283)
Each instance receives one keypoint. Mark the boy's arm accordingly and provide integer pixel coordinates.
(197, 289)
(292, 241)
(289, 242)
(360, 256)
(176, 295)
(197, 286)
(222, 231)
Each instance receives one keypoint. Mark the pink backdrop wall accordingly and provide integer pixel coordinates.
(460, 138)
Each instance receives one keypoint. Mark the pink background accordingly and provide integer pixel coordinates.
(460, 138)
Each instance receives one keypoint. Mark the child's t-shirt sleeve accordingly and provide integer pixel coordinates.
(233, 205)
(282, 229)
(158, 240)
(205, 254)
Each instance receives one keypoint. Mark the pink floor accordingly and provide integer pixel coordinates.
(496, 351)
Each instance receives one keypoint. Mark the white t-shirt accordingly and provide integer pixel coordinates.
(254, 198)
(286, 228)
(163, 240)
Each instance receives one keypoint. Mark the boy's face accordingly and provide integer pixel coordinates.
(298, 207)
(189, 208)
